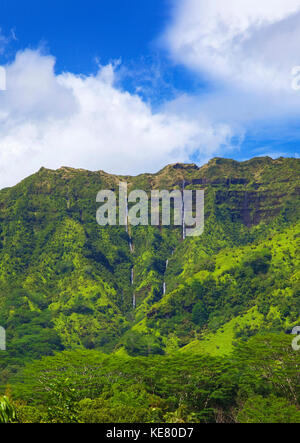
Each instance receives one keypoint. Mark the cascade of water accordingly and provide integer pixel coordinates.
(132, 283)
(127, 230)
(126, 221)
(132, 276)
(164, 285)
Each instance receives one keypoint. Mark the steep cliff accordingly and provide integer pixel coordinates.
(66, 282)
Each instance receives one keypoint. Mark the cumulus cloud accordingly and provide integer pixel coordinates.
(89, 122)
(251, 43)
(244, 51)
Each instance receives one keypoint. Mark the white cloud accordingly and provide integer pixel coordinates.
(88, 122)
(249, 43)
(244, 50)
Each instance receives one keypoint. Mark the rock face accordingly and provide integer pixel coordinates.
(253, 191)
(56, 260)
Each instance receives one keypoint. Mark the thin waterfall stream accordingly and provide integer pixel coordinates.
(164, 284)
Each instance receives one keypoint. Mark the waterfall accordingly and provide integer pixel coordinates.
(164, 285)
(126, 225)
(132, 283)
(127, 230)
(132, 276)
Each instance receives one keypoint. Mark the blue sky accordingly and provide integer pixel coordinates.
(81, 33)
(77, 32)
(129, 85)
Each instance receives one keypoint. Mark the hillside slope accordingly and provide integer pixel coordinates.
(67, 283)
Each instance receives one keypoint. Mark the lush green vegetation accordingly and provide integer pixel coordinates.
(7, 411)
(259, 382)
(214, 347)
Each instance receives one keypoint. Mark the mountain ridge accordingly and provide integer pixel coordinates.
(66, 282)
(216, 161)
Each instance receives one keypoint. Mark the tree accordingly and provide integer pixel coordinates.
(199, 314)
(269, 366)
(137, 343)
(62, 402)
(7, 411)
(268, 410)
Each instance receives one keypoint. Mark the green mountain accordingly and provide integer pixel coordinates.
(67, 284)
